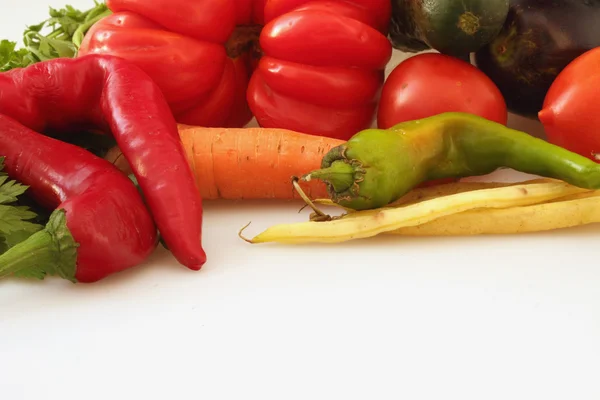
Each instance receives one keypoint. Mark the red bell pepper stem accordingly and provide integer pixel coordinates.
(100, 224)
(113, 95)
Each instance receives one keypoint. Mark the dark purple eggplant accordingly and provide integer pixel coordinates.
(538, 40)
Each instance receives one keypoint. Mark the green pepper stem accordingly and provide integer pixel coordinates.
(51, 251)
(80, 32)
(340, 175)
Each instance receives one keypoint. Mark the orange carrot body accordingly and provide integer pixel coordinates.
(254, 163)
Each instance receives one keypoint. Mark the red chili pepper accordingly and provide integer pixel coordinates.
(322, 70)
(323, 65)
(100, 224)
(113, 95)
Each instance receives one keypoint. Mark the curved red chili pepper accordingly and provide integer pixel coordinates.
(113, 95)
(105, 215)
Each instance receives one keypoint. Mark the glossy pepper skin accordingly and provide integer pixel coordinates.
(112, 95)
(322, 67)
(184, 45)
(376, 167)
(108, 227)
(321, 61)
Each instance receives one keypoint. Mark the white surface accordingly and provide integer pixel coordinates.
(386, 318)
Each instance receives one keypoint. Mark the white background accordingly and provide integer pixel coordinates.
(512, 317)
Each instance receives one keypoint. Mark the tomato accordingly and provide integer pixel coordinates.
(430, 83)
(571, 111)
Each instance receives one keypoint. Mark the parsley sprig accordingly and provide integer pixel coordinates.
(58, 36)
(15, 220)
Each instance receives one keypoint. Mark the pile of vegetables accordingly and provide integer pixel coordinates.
(92, 101)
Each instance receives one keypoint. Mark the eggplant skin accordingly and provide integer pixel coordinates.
(538, 40)
(452, 27)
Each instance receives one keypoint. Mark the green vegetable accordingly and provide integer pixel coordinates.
(452, 27)
(377, 167)
(10, 57)
(15, 220)
(51, 251)
(67, 28)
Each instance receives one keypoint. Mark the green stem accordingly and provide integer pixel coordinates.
(55, 34)
(341, 175)
(36, 249)
(51, 251)
(79, 34)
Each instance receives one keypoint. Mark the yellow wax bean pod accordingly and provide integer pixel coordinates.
(565, 212)
(362, 224)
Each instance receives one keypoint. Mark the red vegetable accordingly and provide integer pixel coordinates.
(323, 65)
(100, 225)
(571, 111)
(321, 72)
(191, 49)
(113, 95)
(430, 83)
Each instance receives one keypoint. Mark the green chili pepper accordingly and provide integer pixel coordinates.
(376, 167)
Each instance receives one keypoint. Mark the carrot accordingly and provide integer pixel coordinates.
(253, 163)
(248, 163)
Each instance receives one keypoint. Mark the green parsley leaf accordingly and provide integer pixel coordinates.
(15, 220)
(11, 58)
(57, 37)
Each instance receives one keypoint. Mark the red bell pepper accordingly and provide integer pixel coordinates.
(321, 71)
(323, 65)
(191, 49)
